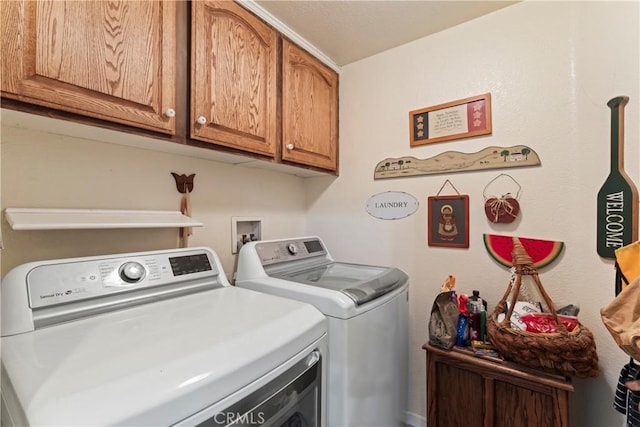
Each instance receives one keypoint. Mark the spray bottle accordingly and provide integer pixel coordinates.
(463, 322)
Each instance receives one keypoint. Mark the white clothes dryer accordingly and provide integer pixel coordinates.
(155, 339)
(367, 309)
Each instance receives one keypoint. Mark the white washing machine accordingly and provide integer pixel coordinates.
(367, 309)
(155, 339)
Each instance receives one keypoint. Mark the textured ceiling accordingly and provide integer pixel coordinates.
(349, 30)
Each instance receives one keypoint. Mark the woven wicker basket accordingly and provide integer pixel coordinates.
(570, 354)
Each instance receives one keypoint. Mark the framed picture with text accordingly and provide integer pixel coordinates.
(448, 221)
(459, 119)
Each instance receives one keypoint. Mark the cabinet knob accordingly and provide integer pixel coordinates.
(290, 146)
(201, 120)
(170, 112)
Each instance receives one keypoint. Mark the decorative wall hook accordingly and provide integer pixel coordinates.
(184, 183)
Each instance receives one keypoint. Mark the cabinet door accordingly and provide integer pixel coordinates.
(517, 406)
(456, 396)
(233, 78)
(309, 110)
(112, 60)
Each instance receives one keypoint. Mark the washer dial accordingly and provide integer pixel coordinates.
(292, 248)
(132, 272)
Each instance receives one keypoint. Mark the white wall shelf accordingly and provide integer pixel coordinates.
(77, 219)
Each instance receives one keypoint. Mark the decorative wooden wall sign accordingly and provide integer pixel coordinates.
(455, 161)
(463, 118)
(617, 223)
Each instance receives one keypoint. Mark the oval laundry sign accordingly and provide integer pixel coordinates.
(392, 205)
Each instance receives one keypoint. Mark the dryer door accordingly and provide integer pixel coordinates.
(292, 399)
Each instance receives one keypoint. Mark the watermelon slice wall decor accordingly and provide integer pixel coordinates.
(542, 252)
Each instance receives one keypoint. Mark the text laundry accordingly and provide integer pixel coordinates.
(392, 205)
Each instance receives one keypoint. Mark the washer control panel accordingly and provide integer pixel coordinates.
(84, 278)
(288, 250)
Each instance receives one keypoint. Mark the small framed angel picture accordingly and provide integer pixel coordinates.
(448, 221)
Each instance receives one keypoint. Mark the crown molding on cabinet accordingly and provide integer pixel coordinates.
(284, 29)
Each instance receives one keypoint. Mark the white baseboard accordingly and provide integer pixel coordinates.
(415, 420)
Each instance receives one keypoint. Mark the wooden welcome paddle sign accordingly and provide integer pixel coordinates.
(618, 198)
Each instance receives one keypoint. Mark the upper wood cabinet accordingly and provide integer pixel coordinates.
(309, 109)
(113, 60)
(127, 62)
(233, 78)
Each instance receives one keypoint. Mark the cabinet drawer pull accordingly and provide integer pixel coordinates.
(201, 120)
(170, 112)
(290, 146)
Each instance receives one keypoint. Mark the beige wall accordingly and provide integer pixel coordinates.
(44, 170)
(550, 67)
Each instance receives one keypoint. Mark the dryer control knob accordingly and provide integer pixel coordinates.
(132, 272)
